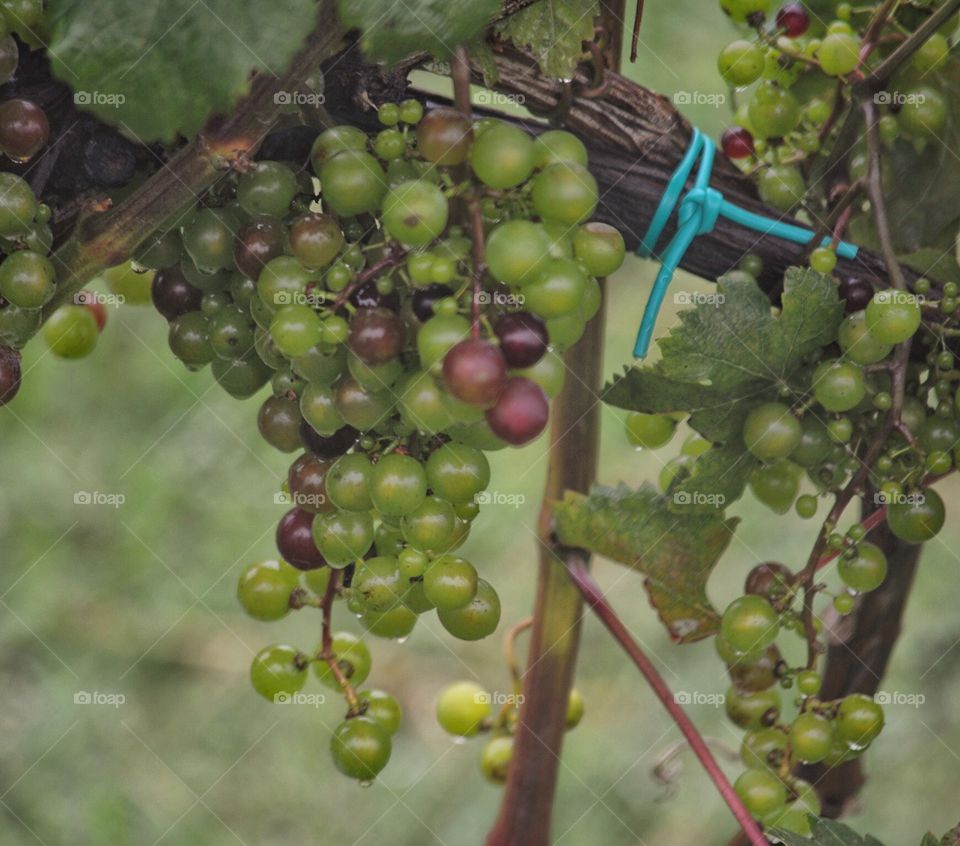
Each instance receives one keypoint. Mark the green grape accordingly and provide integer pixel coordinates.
(462, 708)
(557, 291)
(388, 540)
(27, 279)
(763, 748)
(761, 792)
(575, 709)
(457, 473)
(353, 183)
(771, 432)
(189, 339)
(558, 145)
(776, 485)
(749, 623)
(773, 111)
(351, 655)
(859, 720)
(389, 114)
(389, 145)
(503, 156)
(318, 407)
(476, 620)
(843, 603)
(267, 188)
(450, 582)
(321, 364)
(838, 385)
(893, 316)
(415, 212)
(18, 205)
(383, 708)
(740, 10)
(549, 373)
(806, 506)
(823, 260)
(840, 430)
(811, 737)
(924, 112)
(444, 137)
(599, 247)
(18, 325)
(437, 336)
(809, 682)
(398, 485)
(277, 672)
(411, 111)
(422, 406)
(360, 747)
(741, 62)
(362, 409)
(209, 238)
(918, 517)
(343, 537)
(839, 53)
(317, 580)
(495, 758)
(377, 583)
(231, 333)
(858, 344)
(565, 193)
(932, 54)
(517, 251)
(395, 623)
(336, 140)
(865, 570)
(240, 377)
(431, 527)
(283, 281)
(71, 331)
(264, 589)
(649, 430)
(348, 482)
(781, 186)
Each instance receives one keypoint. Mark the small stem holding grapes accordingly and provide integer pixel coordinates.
(594, 598)
(875, 192)
(326, 649)
(394, 256)
(510, 648)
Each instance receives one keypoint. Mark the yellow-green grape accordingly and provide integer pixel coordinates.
(462, 708)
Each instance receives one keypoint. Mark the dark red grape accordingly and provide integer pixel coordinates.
(333, 447)
(24, 128)
(376, 335)
(768, 579)
(444, 136)
(369, 296)
(737, 143)
(295, 540)
(521, 412)
(425, 298)
(172, 295)
(258, 241)
(475, 372)
(99, 311)
(523, 338)
(793, 20)
(856, 292)
(307, 481)
(9, 374)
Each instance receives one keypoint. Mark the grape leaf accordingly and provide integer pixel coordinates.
(824, 833)
(138, 65)
(675, 552)
(725, 357)
(394, 30)
(933, 263)
(554, 31)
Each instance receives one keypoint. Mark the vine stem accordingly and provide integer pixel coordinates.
(107, 238)
(326, 645)
(598, 604)
(396, 255)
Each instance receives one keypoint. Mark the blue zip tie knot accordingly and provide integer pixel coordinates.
(697, 214)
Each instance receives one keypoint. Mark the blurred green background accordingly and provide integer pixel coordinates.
(137, 601)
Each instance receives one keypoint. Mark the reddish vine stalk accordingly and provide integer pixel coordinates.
(598, 604)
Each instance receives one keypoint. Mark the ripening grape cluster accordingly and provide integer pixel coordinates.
(24, 128)
(786, 73)
(810, 443)
(398, 350)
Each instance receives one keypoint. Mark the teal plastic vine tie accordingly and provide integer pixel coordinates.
(698, 212)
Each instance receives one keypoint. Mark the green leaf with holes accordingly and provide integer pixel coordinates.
(394, 30)
(823, 833)
(726, 356)
(554, 31)
(675, 552)
(159, 70)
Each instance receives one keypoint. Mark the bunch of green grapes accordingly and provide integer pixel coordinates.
(398, 351)
(466, 710)
(786, 73)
